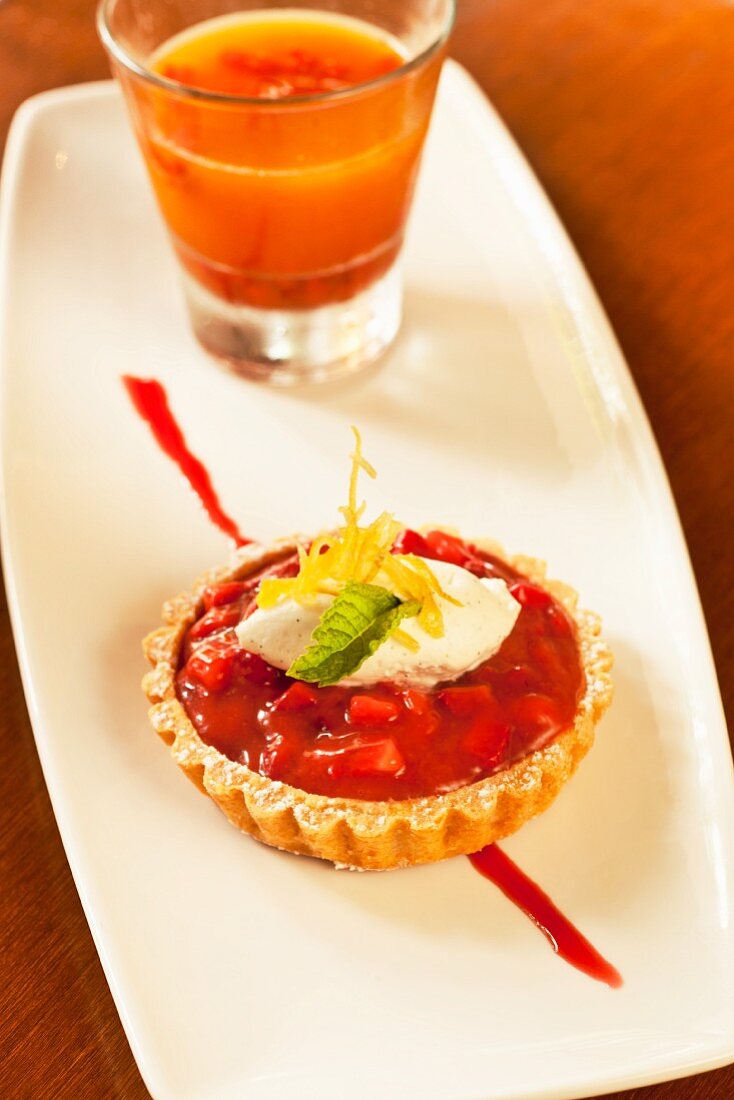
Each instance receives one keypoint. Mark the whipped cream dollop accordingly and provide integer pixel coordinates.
(473, 632)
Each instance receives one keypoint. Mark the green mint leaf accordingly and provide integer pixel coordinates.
(359, 620)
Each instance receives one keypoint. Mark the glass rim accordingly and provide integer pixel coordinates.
(122, 57)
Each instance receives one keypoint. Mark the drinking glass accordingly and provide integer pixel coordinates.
(287, 215)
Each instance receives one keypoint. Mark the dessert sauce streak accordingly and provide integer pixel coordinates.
(563, 936)
(149, 399)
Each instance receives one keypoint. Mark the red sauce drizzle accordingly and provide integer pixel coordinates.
(150, 402)
(563, 936)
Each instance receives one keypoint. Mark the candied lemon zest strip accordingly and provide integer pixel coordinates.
(405, 639)
(363, 554)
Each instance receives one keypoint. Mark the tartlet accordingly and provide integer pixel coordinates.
(355, 832)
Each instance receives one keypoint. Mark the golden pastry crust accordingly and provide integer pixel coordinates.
(361, 834)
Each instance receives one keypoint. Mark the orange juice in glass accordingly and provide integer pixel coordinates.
(283, 145)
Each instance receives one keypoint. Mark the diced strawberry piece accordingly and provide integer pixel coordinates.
(277, 757)
(256, 669)
(530, 595)
(537, 711)
(202, 628)
(219, 618)
(467, 701)
(383, 757)
(451, 549)
(371, 710)
(487, 740)
(216, 595)
(447, 547)
(422, 715)
(212, 663)
(298, 696)
(374, 756)
(417, 701)
(410, 542)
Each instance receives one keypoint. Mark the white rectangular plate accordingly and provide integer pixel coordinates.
(504, 409)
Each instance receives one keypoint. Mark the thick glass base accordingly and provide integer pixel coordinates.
(288, 347)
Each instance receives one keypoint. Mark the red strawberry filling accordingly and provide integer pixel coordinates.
(384, 742)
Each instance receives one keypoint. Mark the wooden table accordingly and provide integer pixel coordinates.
(625, 109)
